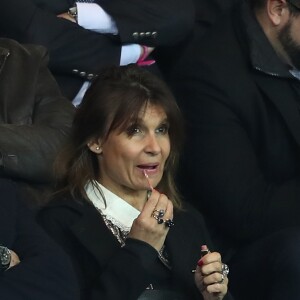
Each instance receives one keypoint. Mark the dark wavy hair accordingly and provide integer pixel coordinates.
(114, 101)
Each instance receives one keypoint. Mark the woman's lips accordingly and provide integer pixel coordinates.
(149, 168)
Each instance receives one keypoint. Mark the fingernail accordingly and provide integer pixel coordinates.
(200, 263)
(204, 250)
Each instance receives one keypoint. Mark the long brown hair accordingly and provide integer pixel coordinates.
(113, 101)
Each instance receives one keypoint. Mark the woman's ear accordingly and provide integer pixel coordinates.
(95, 146)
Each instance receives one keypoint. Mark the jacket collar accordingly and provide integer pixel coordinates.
(4, 53)
(264, 59)
(262, 54)
(91, 231)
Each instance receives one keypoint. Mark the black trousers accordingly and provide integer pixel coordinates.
(268, 269)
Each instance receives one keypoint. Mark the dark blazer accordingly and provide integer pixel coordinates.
(45, 271)
(107, 271)
(207, 12)
(34, 117)
(77, 54)
(242, 160)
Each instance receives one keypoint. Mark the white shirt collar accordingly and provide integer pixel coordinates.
(116, 210)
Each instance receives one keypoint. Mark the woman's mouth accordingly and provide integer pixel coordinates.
(149, 168)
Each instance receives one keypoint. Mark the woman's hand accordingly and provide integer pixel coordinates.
(151, 226)
(210, 278)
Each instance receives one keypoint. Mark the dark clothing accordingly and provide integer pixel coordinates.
(45, 271)
(34, 117)
(207, 12)
(107, 271)
(77, 54)
(242, 113)
(268, 268)
(241, 164)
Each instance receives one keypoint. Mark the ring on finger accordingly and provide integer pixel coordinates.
(159, 220)
(225, 270)
(159, 213)
(169, 223)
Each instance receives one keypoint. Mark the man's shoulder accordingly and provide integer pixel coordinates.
(27, 50)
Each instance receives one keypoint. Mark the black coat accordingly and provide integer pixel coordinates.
(107, 271)
(77, 54)
(45, 271)
(242, 160)
(34, 117)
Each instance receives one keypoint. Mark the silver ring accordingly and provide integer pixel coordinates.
(159, 213)
(225, 270)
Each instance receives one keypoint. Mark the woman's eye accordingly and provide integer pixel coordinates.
(163, 129)
(133, 130)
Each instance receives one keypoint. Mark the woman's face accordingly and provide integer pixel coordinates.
(142, 146)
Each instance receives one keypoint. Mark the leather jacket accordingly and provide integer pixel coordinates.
(34, 118)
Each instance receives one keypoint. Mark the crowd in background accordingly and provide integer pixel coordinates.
(92, 88)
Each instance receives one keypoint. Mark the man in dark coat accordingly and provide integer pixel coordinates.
(240, 92)
(78, 54)
(207, 12)
(32, 266)
(34, 117)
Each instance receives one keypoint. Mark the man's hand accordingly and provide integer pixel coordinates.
(14, 260)
(67, 17)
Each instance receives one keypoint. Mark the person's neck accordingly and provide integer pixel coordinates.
(135, 198)
(272, 35)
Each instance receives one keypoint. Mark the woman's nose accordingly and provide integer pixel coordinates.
(152, 145)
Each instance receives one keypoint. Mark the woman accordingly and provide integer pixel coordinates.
(117, 203)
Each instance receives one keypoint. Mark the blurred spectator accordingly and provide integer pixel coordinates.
(79, 51)
(34, 117)
(240, 94)
(207, 12)
(31, 265)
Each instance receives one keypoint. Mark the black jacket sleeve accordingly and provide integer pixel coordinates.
(73, 48)
(45, 271)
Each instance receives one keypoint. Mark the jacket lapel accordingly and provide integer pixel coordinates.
(280, 94)
(92, 232)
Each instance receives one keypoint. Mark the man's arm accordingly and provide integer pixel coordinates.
(151, 23)
(72, 47)
(34, 118)
(44, 272)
